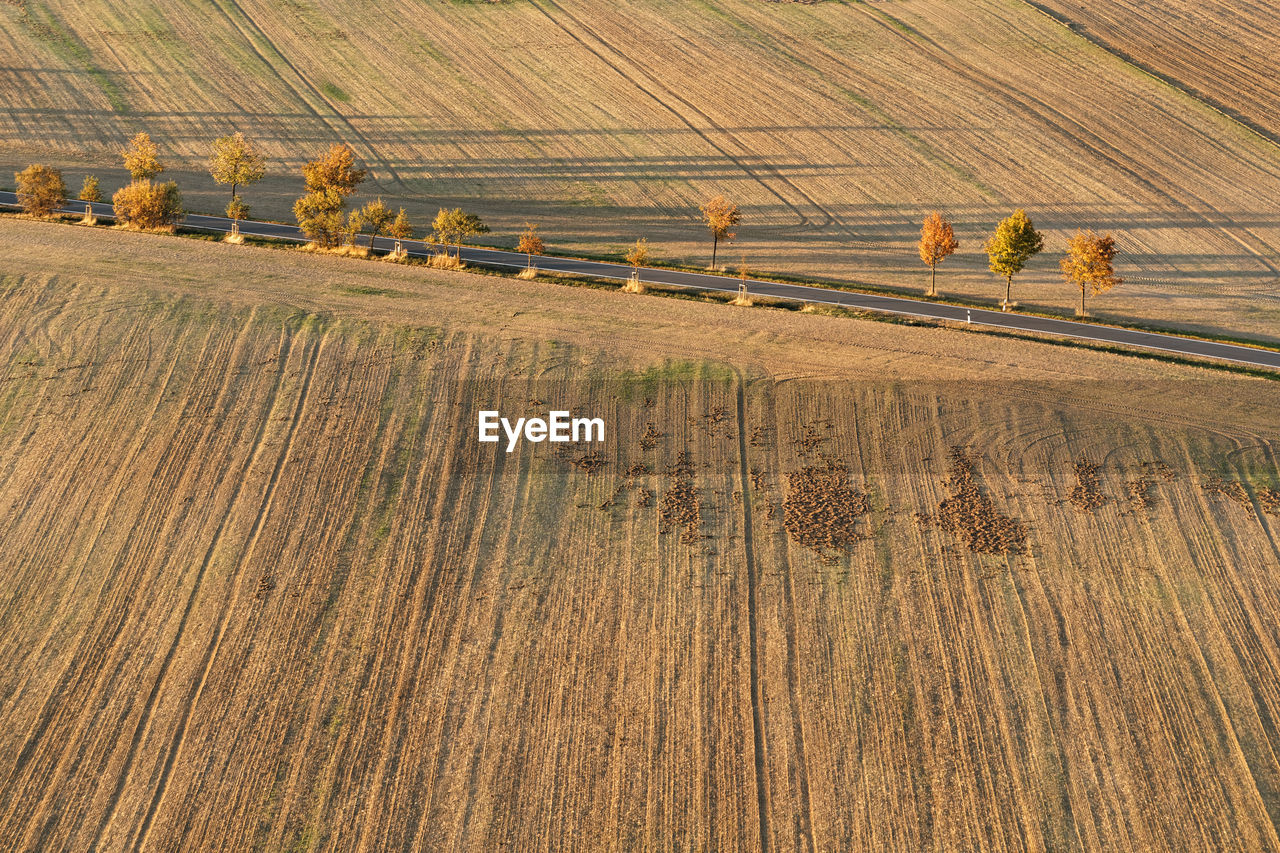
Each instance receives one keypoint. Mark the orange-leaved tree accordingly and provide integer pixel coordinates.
(937, 243)
(530, 243)
(720, 216)
(1089, 264)
(148, 204)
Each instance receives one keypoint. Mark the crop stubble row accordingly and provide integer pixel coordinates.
(459, 647)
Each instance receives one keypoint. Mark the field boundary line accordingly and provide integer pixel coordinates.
(748, 547)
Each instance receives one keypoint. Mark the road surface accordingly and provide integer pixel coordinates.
(916, 308)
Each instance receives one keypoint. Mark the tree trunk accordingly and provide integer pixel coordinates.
(933, 280)
(373, 235)
(529, 265)
(1008, 287)
(715, 244)
(1082, 299)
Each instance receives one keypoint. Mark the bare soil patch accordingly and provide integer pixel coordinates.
(822, 509)
(970, 515)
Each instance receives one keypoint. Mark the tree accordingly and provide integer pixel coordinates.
(937, 243)
(376, 216)
(530, 243)
(334, 171)
(720, 216)
(319, 215)
(355, 221)
(329, 181)
(1014, 242)
(89, 190)
(140, 158)
(148, 205)
(41, 189)
(401, 228)
(638, 255)
(237, 210)
(1088, 264)
(236, 161)
(453, 227)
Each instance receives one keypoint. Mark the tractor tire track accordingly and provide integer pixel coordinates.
(139, 840)
(1083, 31)
(82, 680)
(249, 36)
(784, 566)
(117, 492)
(144, 719)
(757, 702)
(651, 95)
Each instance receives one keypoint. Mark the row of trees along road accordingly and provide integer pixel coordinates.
(1088, 264)
(333, 178)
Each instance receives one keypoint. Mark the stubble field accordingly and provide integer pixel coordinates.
(836, 126)
(829, 584)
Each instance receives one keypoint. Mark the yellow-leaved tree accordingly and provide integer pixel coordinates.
(236, 161)
(330, 180)
(1014, 242)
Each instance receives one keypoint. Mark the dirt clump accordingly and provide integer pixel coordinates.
(812, 436)
(1270, 500)
(822, 509)
(590, 462)
(970, 516)
(1236, 492)
(1087, 494)
(679, 507)
(649, 440)
(1232, 490)
(1139, 492)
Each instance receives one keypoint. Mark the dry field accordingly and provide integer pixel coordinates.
(836, 125)
(829, 584)
(1226, 53)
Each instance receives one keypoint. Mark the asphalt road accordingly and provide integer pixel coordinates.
(916, 308)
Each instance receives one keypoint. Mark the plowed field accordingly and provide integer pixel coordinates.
(263, 589)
